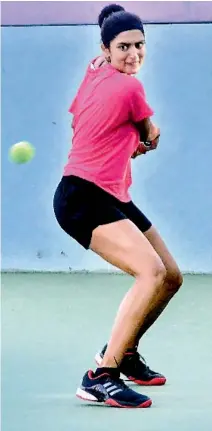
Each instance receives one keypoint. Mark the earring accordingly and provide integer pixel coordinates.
(108, 59)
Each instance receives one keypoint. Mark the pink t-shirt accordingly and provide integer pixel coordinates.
(104, 110)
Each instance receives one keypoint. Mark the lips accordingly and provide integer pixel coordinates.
(133, 64)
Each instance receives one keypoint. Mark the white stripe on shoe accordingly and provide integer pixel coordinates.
(115, 392)
(106, 385)
(88, 397)
(110, 388)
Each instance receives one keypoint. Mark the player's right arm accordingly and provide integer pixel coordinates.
(148, 131)
(140, 114)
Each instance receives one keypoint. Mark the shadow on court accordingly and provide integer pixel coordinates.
(52, 325)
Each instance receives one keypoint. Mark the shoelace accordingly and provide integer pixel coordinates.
(115, 376)
(137, 359)
(120, 383)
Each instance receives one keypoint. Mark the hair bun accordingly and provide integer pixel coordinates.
(107, 11)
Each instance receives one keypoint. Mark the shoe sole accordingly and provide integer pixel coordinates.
(157, 381)
(85, 396)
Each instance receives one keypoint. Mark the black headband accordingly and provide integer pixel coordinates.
(118, 22)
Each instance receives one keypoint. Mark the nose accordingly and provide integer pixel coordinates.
(133, 53)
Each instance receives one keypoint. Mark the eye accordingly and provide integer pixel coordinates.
(140, 45)
(123, 47)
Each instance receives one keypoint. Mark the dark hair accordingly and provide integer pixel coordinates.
(113, 19)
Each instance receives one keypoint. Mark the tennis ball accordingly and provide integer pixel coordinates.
(21, 152)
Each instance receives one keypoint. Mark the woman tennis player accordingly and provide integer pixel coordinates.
(92, 204)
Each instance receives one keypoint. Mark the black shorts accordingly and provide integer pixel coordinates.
(80, 206)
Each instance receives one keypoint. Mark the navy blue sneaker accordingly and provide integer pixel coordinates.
(109, 389)
(135, 369)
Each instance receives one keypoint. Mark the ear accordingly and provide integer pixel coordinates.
(105, 51)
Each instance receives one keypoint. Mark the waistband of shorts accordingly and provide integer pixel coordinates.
(73, 179)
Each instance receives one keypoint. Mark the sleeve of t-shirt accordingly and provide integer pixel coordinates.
(73, 106)
(72, 111)
(139, 108)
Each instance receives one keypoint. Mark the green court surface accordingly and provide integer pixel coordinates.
(52, 325)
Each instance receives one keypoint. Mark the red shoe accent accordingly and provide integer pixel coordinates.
(156, 381)
(113, 403)
(92, 376)
(128, 353)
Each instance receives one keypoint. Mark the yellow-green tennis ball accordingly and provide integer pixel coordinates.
(22, 152)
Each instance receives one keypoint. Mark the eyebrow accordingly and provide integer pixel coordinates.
(128, 44)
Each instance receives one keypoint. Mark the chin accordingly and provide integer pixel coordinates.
(133, 70)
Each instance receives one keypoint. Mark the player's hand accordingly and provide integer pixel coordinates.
(154, 143)
(143, 147)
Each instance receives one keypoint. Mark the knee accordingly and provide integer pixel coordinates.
(174, 280)
(155, 271)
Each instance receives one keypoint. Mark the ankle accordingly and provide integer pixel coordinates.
(108, 363)
(112, 372)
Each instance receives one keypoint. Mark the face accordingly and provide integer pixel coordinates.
(127, 51)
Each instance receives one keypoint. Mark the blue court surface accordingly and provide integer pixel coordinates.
(52, 326)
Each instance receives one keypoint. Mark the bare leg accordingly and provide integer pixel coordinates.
(171, 284)
(123, 245)
(156, 309)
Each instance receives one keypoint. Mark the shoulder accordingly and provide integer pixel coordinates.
(131, 88)
(133, 84)
(129, 82)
